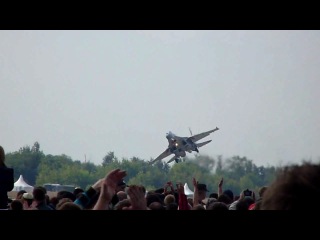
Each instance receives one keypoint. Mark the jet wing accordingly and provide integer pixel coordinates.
(199, 136)
(166, 153)
(203, 143)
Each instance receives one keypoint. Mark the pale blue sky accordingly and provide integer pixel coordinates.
(91, 92)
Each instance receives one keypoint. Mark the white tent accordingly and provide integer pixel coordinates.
(21, 184)
(187, 190)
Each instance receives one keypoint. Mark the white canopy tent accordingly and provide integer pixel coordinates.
(187, 191)
(21, 184)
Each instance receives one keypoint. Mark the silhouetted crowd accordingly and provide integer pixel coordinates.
(297, 187)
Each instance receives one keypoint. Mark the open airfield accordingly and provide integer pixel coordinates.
(13, 194)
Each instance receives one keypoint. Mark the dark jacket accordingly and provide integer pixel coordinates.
(6, 185)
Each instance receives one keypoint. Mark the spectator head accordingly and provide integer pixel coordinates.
(244, 203)
(66, 194)
(218, 206)
(229, 193)
(153, 197)
(28, 197)
(169, 199)
(62, 201)
(16, 205)
(68, 206)
(290, 188)
(53, 202)
(198, 207)
(43, 189)
(202, 187)
(213, 195)
(209, 201)
(202, 191)
(38, 194)
(156, 206)
(225, 199)
(159, 190)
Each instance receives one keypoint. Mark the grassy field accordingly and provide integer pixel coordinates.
(13, 194)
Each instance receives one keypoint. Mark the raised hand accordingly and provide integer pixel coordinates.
(137, 198)
(108, 188)
(195, 183)
(109, 185)
(195, 191)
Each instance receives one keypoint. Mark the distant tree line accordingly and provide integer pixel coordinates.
(239, 173)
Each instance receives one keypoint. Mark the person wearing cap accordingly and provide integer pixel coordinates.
(202, 192)
(27, 200)
(199, 193)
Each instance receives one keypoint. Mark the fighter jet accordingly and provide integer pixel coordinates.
(180, 145)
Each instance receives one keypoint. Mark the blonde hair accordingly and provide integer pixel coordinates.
(169, 199)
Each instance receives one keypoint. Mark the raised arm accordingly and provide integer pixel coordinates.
(220, 191)
(85, 198)
(195, 192)
(137, 198)
(108, 188)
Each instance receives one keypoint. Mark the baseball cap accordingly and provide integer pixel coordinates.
(27, 196)
(202, 187)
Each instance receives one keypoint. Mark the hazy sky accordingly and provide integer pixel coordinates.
(91, 92)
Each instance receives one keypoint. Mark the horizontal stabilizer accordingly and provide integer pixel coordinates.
(203, 143)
